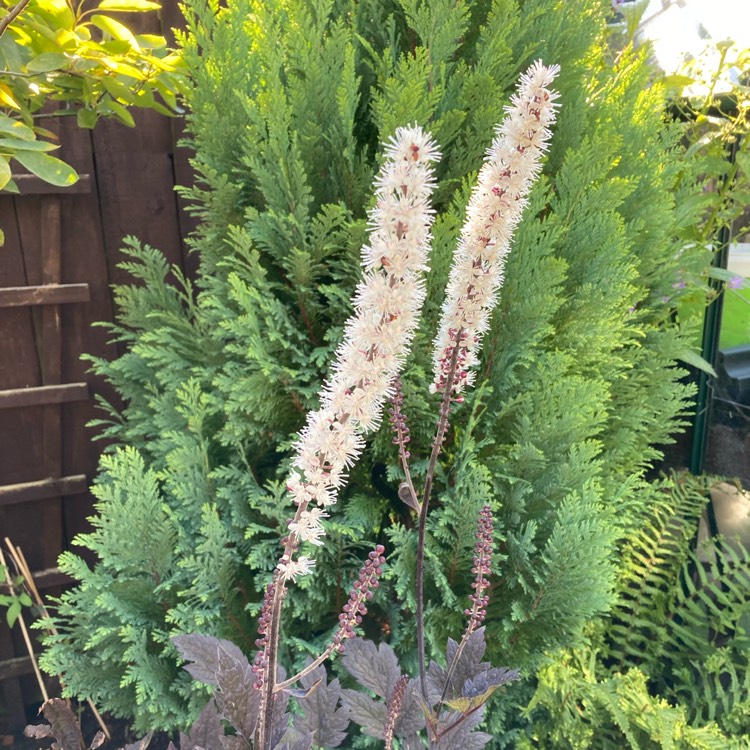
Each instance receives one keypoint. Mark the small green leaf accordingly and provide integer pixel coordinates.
(17, 144)
(13, 612)
(86, 118)
(49, 168)
(677, 81)
(129, 6)
(47, 62)
(2, 238)
(695, 360)
(743, 159)
(121, 111)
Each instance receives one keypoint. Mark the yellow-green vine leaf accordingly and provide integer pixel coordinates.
(18, 144)
(123, 114)
(116, 30)
(128, 6)
(49, 168)
(5, 173)
(47, 62)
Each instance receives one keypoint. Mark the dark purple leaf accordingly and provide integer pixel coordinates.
(203, 651)
(374, 667)
(295, 740)
(63, 725)
(413, 742)
(468, 665)
(370, 714)
(322, 717)
(300, 693)
(411, 718)
(142, 744)
(461, 737)
(494, 677)
(235, 743)
(477, 691)
(236, 697)
(279, 718)
(38, 731)
(206, 732)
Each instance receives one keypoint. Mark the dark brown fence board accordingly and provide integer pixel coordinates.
(14, 398)
(82, 229)
(41, 489)
(15, 667)
(48, 294)
(130, 162)
(13, 698)
(47, 454)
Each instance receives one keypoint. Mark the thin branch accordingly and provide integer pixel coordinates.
(19, 560)
(24, 631)
(13, 13)
(306, 671)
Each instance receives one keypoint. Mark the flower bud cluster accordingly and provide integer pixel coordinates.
(394, 709)
(398, 420)
(260, 665)
(362, 592)
(482, 568)
(387, 304)
(494, 211)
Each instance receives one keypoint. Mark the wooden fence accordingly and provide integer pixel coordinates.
(62, 248)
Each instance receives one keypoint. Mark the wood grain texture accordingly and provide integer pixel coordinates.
(28, 492)
(60, 259)
(13, 398)
(50, 294)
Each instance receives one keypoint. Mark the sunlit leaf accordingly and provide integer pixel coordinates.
(115, 29)
(151, 41)
(4, 172)
(49, 168)
(678, 81)
(7, 98)
(119, 90)
(130, 6)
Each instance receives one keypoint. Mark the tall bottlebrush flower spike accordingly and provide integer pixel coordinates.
(387, 304)
(497, 202)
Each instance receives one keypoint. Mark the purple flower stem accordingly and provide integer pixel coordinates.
(437, 445)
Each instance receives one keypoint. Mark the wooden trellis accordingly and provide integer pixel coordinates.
(59, 261)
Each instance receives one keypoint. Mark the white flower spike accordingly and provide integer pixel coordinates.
(497, 202)
(387, 304)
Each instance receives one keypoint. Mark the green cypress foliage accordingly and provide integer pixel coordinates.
(577, 390)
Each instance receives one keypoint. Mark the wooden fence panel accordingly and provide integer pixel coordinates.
(61, 255)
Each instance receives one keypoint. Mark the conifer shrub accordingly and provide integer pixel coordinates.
(578, 386)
